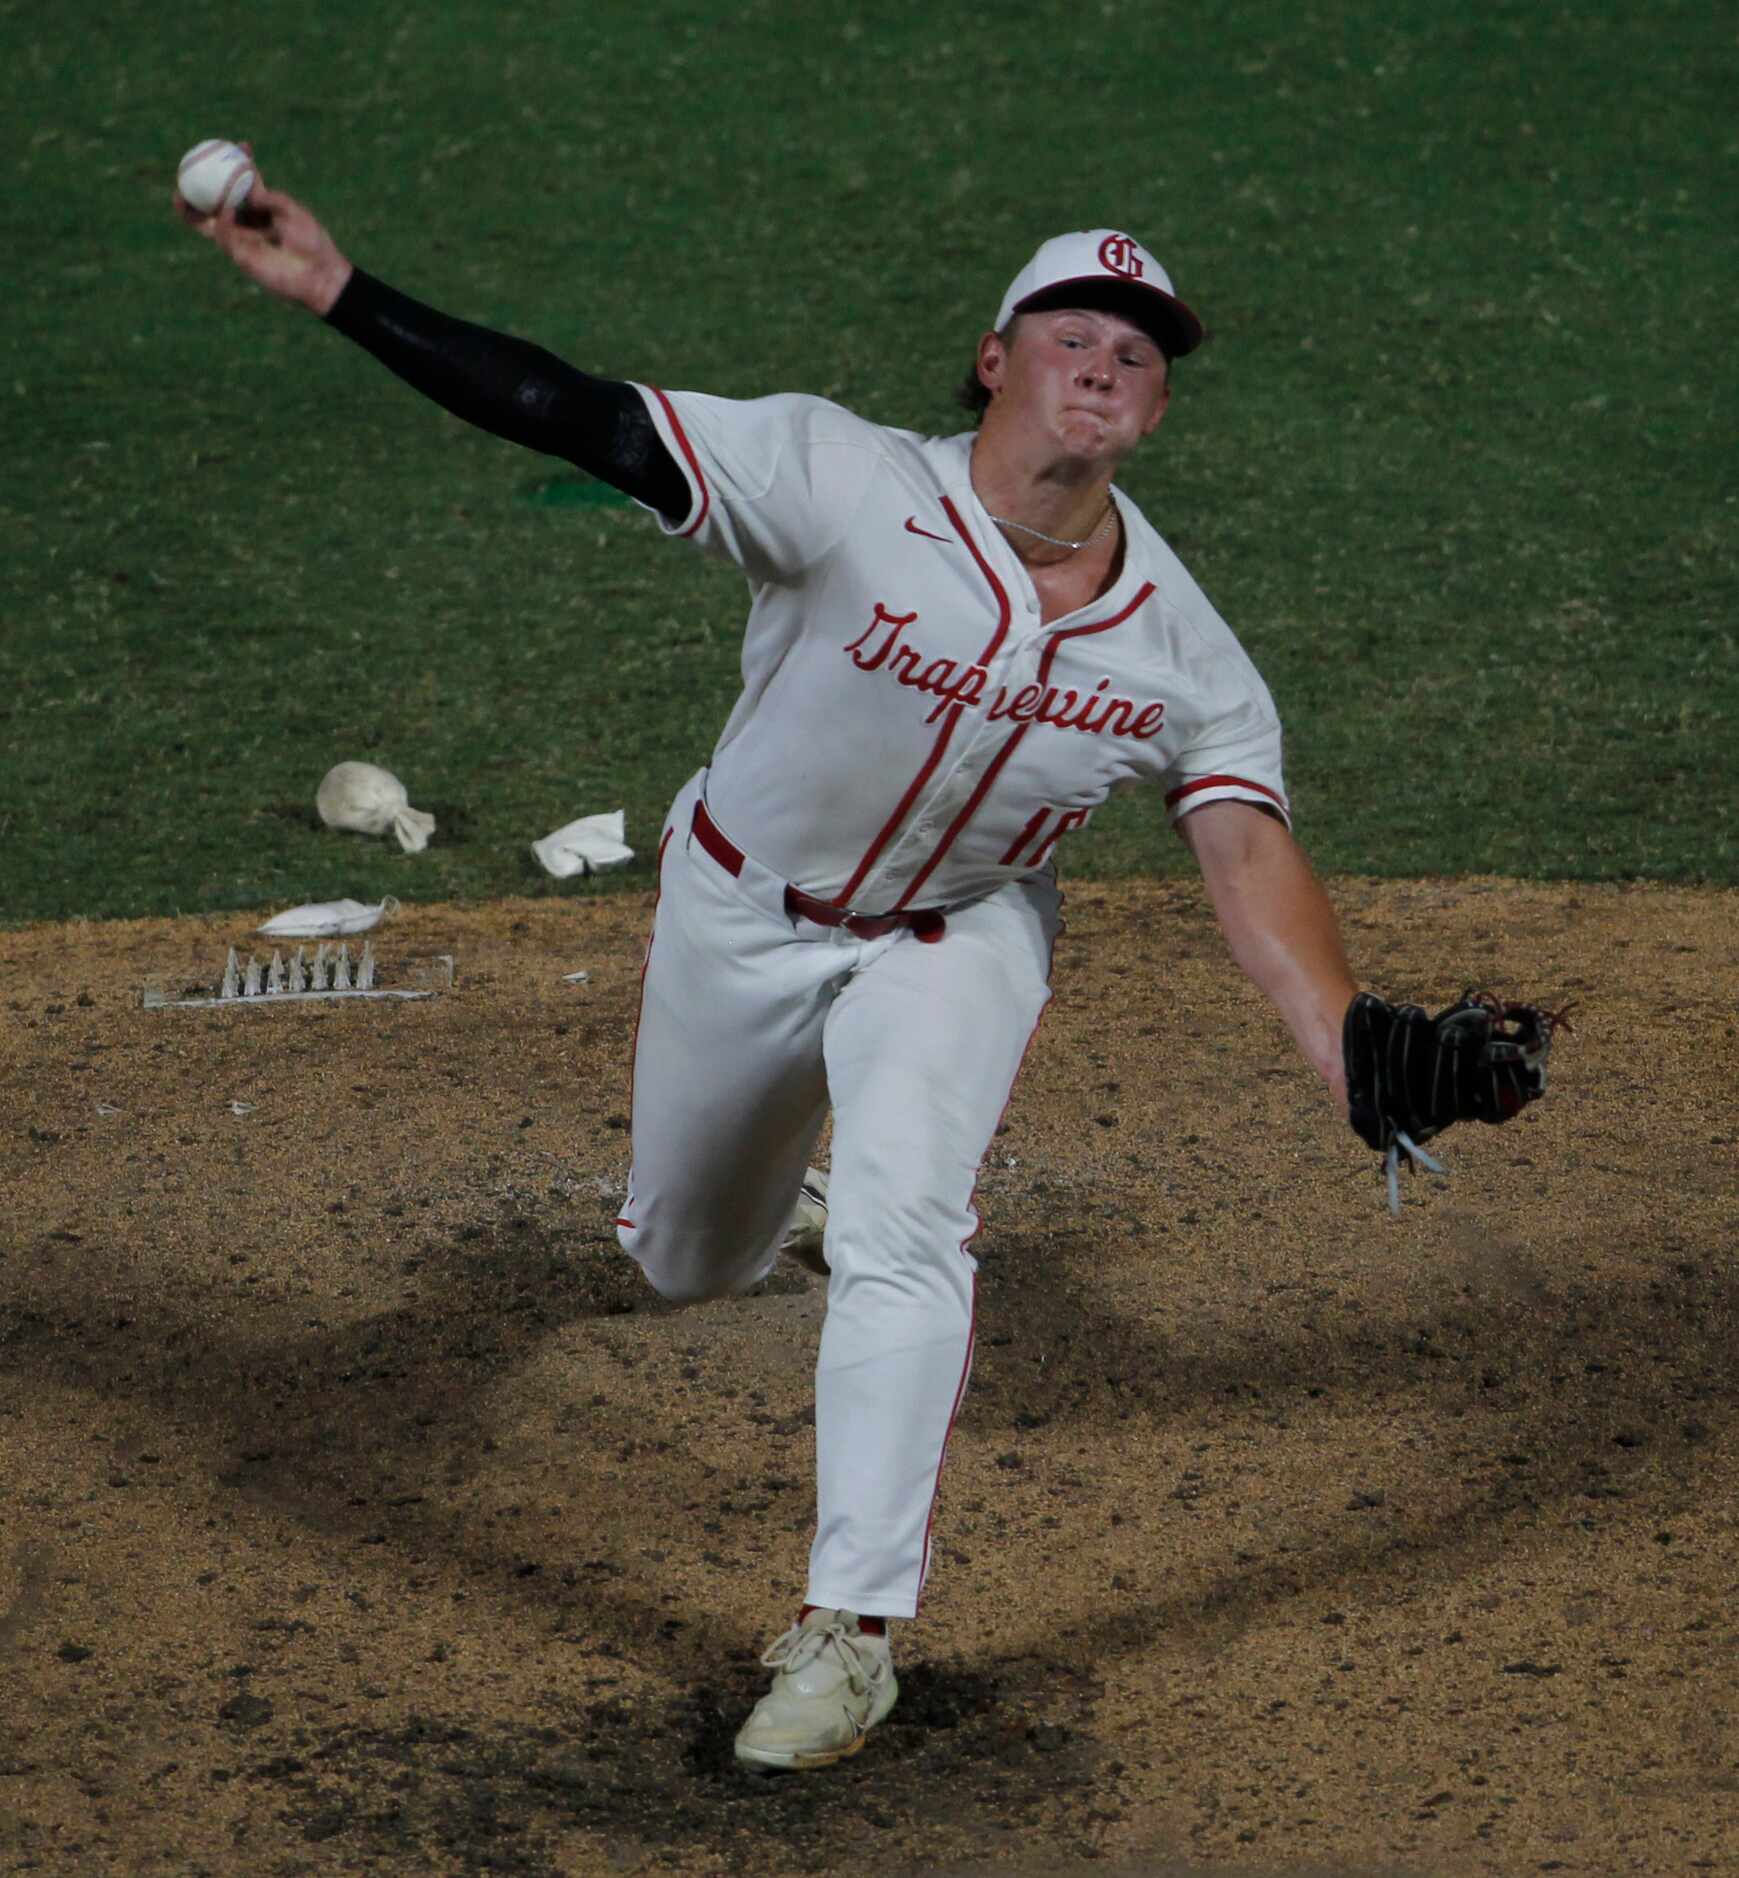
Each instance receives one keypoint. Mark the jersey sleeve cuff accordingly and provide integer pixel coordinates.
(1200, 790)
(676, 440)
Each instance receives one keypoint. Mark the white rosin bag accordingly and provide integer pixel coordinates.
(364, 797)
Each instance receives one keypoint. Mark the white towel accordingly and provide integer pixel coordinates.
(582, 847)
(327, 919)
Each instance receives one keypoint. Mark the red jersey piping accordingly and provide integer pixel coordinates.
(1004, 613)
(689, 457)
(1176, 795)
(959, 822)
(1091, 626)
(1007, 750)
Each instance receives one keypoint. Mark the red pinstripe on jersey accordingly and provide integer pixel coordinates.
(959, 822)
(1004, 613)
(688, 457)
(903, 808)
(1008, 749)
(1091, 626)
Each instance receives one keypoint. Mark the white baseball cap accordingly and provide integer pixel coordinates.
(1102, 267)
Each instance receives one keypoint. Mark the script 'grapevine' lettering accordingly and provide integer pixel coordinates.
(882, 646)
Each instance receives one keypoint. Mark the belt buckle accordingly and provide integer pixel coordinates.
(926, 925)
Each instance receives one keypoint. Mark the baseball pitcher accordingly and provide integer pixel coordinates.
(956, 647)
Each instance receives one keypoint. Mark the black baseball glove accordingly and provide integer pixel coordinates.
(1409, 1075)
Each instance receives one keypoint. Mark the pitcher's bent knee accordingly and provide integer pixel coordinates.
(677, 1275)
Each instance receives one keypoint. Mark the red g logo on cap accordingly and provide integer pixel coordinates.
(1117, 255)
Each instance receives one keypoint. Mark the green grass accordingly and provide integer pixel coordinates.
(1459, 464)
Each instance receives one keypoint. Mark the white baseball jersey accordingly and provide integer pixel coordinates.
(909, 733)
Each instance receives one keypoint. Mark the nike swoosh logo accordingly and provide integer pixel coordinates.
(912, 528)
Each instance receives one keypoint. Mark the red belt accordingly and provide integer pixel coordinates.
(925, 922)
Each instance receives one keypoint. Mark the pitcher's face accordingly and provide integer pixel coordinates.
(1090, 382)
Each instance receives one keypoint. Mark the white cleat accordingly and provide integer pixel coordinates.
(808, 1225)
(832, 1683)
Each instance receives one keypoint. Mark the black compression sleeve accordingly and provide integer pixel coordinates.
(516, 390)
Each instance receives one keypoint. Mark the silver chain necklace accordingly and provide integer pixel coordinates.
(1058, 541)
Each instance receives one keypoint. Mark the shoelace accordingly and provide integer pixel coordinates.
(799, 1646)
(1392, 1165)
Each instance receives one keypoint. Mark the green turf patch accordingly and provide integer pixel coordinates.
(575, 491)
(1457, 463)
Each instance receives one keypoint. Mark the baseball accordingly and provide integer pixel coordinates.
(213, 174)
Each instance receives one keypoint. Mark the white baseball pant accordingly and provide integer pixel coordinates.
(751, 1024)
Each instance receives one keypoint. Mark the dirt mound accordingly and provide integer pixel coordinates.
(361, 1509)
